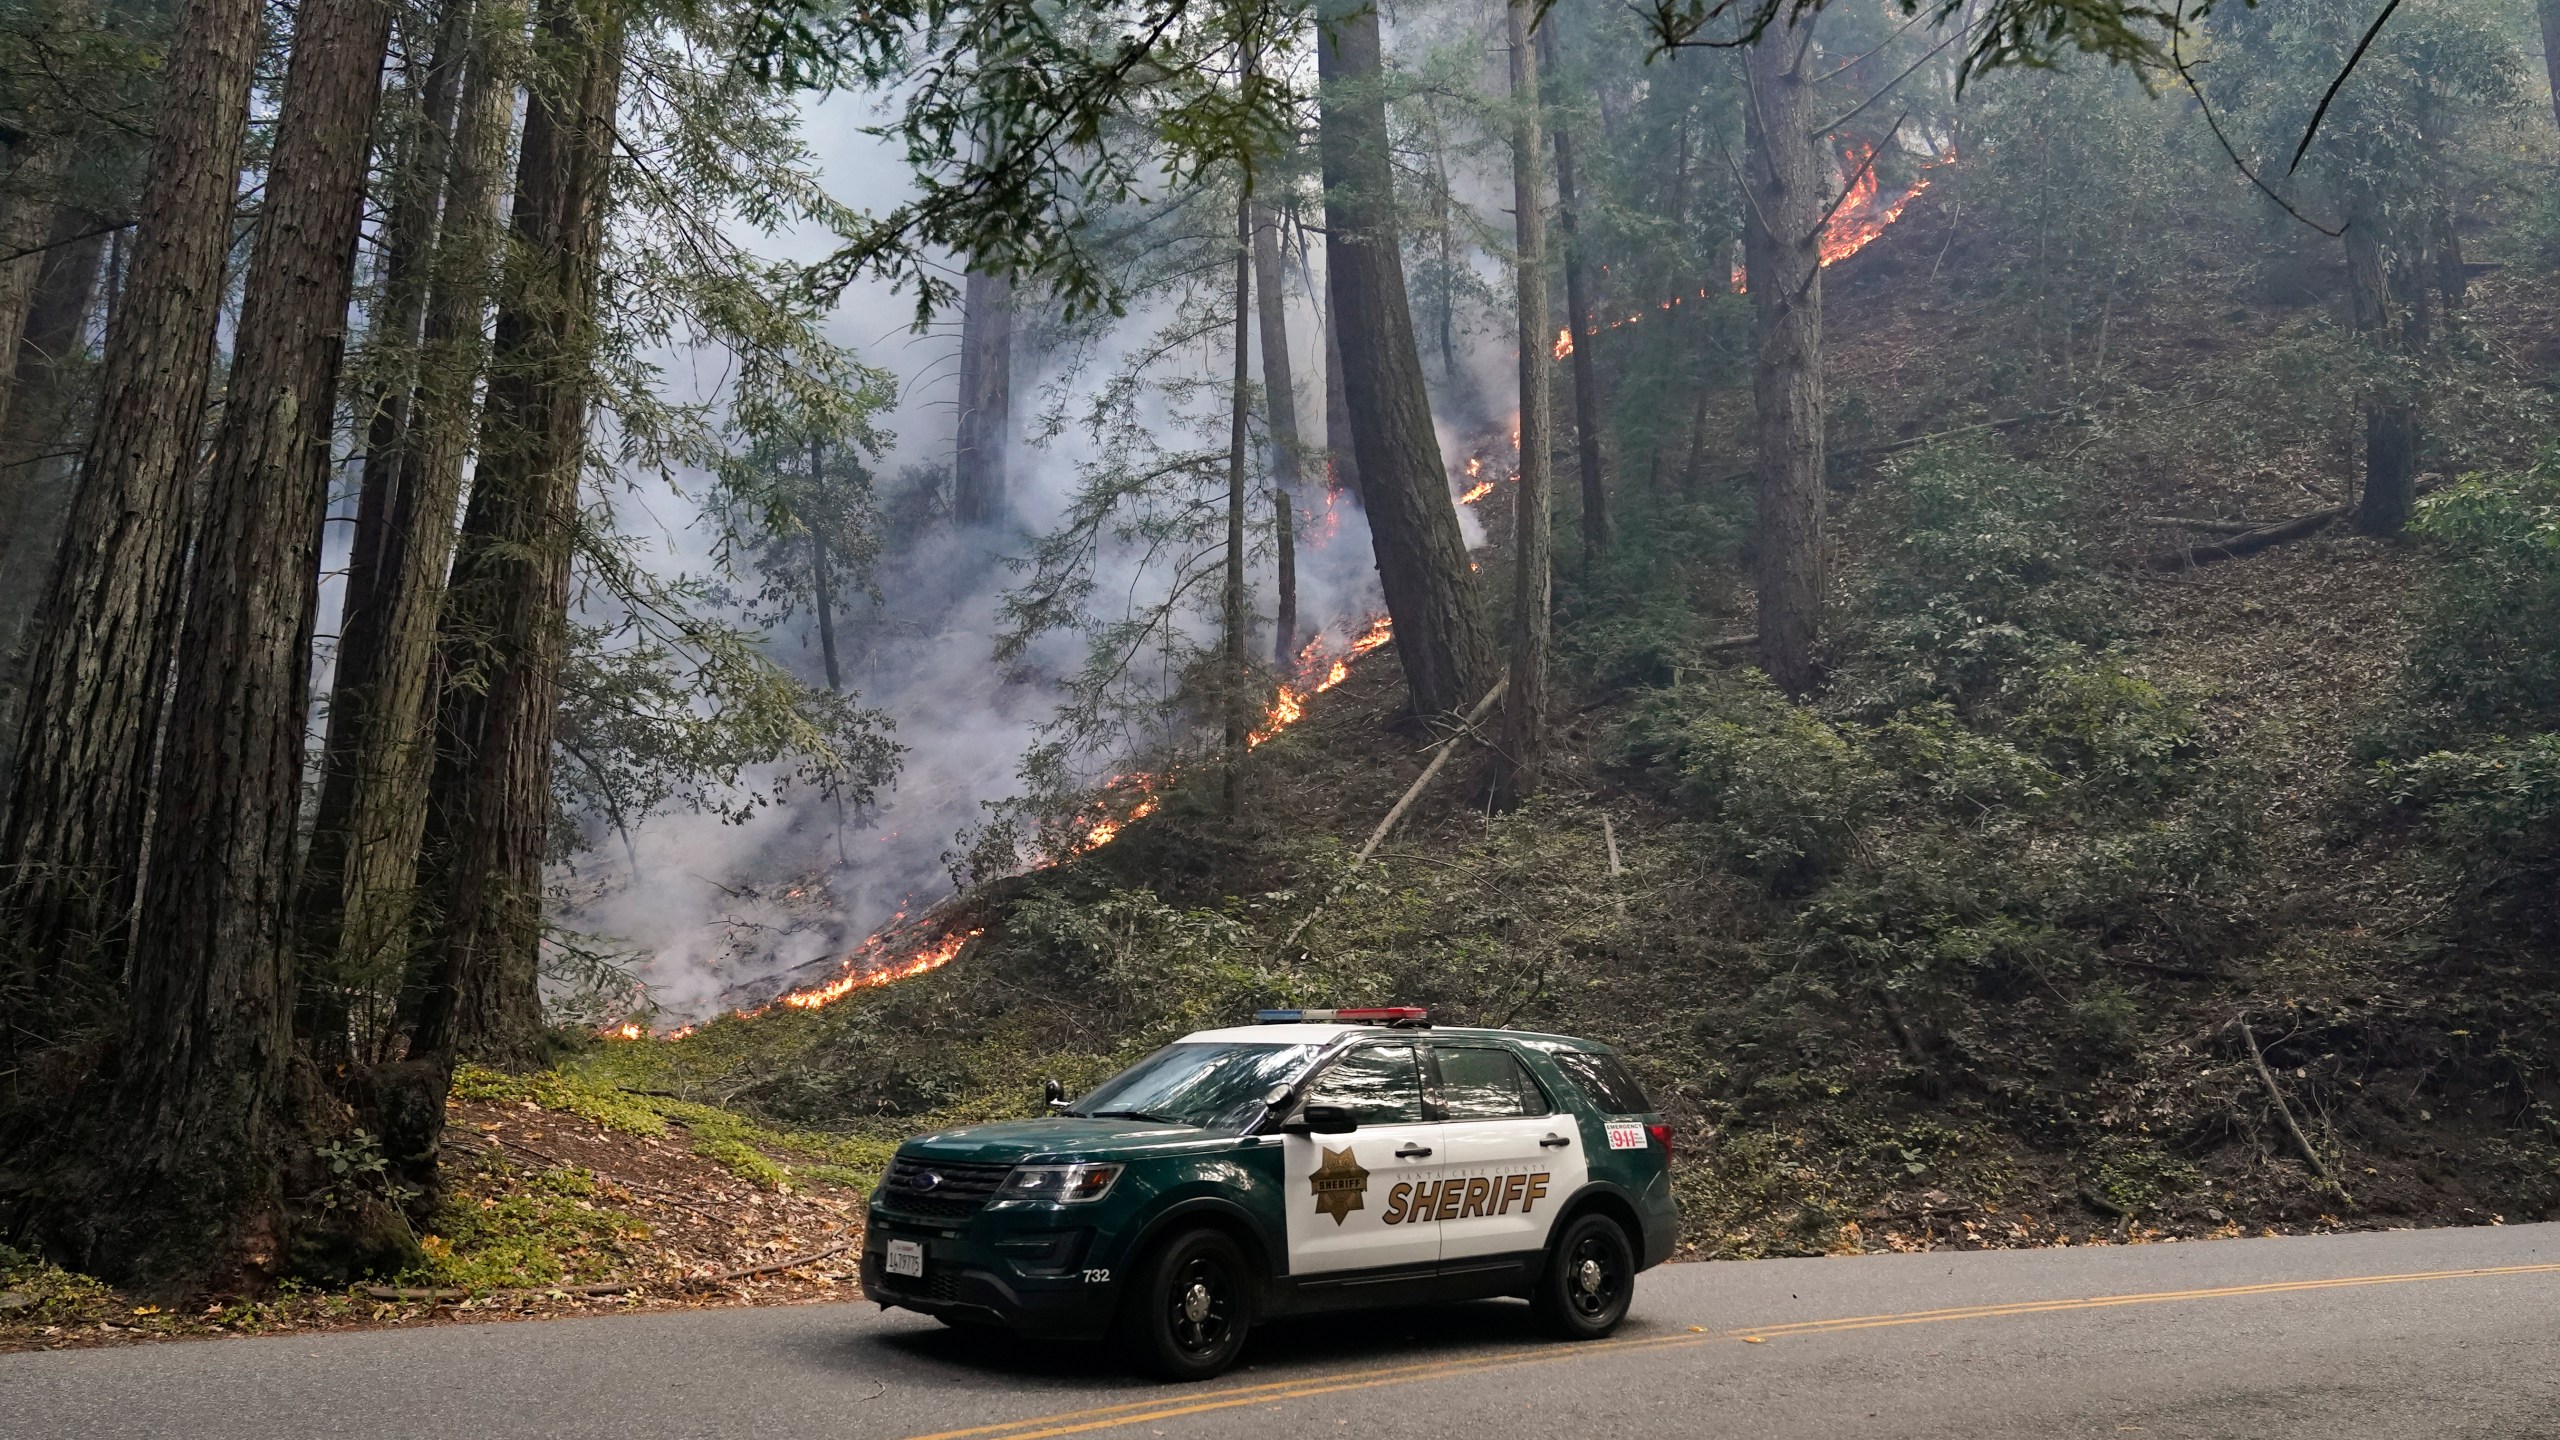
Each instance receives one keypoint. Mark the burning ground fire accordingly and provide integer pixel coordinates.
(866, 977)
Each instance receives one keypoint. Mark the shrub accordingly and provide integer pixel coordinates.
(1782, 791)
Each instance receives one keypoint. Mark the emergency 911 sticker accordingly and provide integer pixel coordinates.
(1625, 1136)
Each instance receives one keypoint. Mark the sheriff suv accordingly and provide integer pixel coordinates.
(1316, 1160)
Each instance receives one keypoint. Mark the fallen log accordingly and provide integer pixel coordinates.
(447, 1292)
(2209, 527)
(2247, 542)
(751, 1271)
(1404, 802)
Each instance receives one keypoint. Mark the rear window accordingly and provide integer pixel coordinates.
(1605, 1080)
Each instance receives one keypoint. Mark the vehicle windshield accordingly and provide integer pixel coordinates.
(1213, 1086)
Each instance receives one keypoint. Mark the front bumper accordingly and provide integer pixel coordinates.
(969, 1274)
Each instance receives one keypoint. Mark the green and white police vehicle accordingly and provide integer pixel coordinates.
(1317, 1160)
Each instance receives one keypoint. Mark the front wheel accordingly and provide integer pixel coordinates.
(1589, 1280)
(1192, 1304)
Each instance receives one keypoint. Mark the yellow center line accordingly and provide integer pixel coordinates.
(1109, 1417)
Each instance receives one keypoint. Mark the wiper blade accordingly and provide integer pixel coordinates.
(1133, 1115)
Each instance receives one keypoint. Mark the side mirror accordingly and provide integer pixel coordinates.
(1054, 1094)
(1328, 1120)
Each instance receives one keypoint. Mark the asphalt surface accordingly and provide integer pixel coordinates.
(2401, 1334)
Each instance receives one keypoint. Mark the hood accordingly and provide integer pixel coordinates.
(1064, 1136)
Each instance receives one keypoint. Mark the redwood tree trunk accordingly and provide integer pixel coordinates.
(417, 166)
(1524, 703)
(986, 400)
(35, 497)
(359, 880)
(1441, 636)
(1280, 394)
(26, 223)
(1342, 457)
(73, 837)
(505, 623)
(1597, 530)
(1782, 240)
(191, 1166)
(1232, 598)
(2390, 424)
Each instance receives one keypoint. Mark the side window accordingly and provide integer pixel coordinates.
(1485, 1084)
(1378, 1084)
(1605, 1080)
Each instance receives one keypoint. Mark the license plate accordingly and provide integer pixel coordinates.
(906, 1257)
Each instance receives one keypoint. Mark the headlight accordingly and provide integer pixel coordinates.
(1056, 1184)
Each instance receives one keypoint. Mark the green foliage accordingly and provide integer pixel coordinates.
(1985, 579)
(1782, 791)
(499, 1229)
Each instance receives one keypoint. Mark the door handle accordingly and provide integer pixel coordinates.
(1413, 1152)
(1552, 1141)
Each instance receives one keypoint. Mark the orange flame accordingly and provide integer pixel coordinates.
(932, 957)
(1476, 492)
(627, 1030)
(1564, 342)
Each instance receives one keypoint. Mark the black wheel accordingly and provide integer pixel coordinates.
(1187, 1316)
(1589, 1280)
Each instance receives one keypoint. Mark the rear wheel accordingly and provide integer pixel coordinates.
(1589, 1281)
(1187, 1316)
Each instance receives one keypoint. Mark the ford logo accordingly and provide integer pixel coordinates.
(929, 1180)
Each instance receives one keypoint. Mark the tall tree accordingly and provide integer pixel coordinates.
(360, 875)
(1441, 637)
(1280, 393)
(986, 400)
(71, 842)
(200, 1079)
(2390, 326)
(503, 633)
(1342, 456)
(1579, 332)
(1233, 684)
(822, 570)
(1524, 704)
(1784, 177)
(35, 495)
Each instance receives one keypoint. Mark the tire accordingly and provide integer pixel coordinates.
(1188, 1314)
(1588, 1281)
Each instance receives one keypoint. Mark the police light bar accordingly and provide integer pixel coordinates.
(1364, 1015)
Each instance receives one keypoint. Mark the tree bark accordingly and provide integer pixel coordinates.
(1342, 457)
(1524, 708)
(1597, 531)
(192, 1166)
(360, 877)
(1232, 597)
(986, 400)
(2390, 425)
(35, 499)
(505, 626)
(1280, 394)
(1441, 636)
(26, 223)
(1782, 250)
(418, 165)
(73, 838)
(822, 573)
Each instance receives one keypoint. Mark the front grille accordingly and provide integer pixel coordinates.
(940, 1188)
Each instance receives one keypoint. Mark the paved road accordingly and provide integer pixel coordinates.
(2408, 1334)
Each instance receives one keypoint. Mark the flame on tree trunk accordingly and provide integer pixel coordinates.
(505, 622)
(1280, 395)
(986, 399)
(1524, 706)
(73, 838)
(1784, 170)
(1441, 636)
(360, 876)
(1597, 529)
